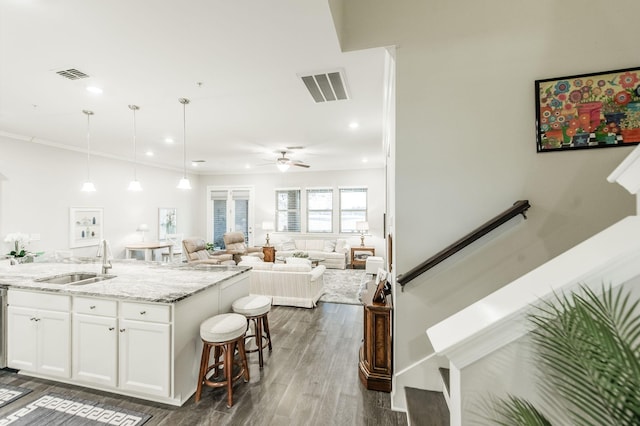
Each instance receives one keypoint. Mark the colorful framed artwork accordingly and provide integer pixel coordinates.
(167, 222)
(600, 110)
(85, 226)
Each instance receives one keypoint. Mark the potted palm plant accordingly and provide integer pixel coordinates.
(588, 350)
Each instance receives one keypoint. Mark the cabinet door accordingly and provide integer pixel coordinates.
(145, 351)
(21, 338)
(54, 343)
(95, 349)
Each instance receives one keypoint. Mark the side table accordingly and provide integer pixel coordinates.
(269, 253)
(359, 255)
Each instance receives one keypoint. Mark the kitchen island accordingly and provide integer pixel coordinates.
(134, 333)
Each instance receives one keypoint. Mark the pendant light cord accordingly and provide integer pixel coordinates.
(184, 102)
(88, 114)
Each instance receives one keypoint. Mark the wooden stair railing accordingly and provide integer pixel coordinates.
(519, 207)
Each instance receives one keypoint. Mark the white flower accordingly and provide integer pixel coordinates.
(16, 236)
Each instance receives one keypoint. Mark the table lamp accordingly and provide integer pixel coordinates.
(142, 228)
(267, 226)
(363, 227)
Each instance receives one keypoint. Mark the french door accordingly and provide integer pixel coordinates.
(229, 209)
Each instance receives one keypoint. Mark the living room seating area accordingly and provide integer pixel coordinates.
(333, 253)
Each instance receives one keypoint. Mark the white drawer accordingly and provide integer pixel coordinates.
(39, 300)
(145, 312)
(92, 306)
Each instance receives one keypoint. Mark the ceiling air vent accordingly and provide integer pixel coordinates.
(72, 74)
(326, 87)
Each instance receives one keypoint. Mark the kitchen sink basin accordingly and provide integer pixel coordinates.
(75, 278)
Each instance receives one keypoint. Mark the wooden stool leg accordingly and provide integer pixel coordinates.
(216, 360)
(243, 358)
(228, 371)
(265, 321)
(204, 364)
(258, 324)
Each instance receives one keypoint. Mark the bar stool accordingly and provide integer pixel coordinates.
(255, 308)
(224, 333)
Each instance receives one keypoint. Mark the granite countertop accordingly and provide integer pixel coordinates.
(135, 280)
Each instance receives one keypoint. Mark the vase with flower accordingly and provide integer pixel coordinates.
(630, 127)
(19, 253)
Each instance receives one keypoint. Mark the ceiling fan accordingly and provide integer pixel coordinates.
(283, 163)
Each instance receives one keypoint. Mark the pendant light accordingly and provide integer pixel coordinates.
(88, 185)
(134, 185)
(184, 182)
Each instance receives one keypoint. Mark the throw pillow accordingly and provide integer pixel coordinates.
(297, 261)
(341, 246)
(288, 245)
(251, 259)
(329, 246)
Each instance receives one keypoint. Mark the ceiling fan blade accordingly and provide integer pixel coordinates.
(297, 163)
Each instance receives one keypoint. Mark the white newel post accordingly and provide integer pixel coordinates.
(627, 174)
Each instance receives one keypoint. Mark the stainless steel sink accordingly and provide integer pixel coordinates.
(75, 278)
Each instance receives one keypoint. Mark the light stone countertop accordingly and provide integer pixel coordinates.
(135, 280)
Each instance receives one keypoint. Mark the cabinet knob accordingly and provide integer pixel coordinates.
(92, 307)
(111, 328)
(122, 330)
(143, 312)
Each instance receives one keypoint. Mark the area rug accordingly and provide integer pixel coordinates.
(53, 409)
(10, 393)
(343, 286)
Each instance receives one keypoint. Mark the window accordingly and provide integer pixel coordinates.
(288, 210)
(353, 208)
(319, 210)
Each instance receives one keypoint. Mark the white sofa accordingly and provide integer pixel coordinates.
(334, 252)
(287, 284)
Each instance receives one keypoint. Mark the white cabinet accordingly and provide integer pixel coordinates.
(127, 347)
(95, 341)
(95, 349)
(39, 333)
(145, 351)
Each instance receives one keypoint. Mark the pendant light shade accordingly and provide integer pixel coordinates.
(134, 185)
(88, 185)
(184, 182)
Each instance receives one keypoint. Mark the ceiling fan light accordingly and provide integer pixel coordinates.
(184, 183)
(283, 167)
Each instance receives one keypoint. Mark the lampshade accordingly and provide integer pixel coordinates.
(184, 182)
(267, 226)
(134, 185)
(362, 226)
(143, 227)
(88, 185)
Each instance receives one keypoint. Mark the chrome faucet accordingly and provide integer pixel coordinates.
(106, 263)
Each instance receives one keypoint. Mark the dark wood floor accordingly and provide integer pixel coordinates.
(310, 378)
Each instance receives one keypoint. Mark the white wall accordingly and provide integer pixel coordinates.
(465, 141)
(42, 182)
(265, 185)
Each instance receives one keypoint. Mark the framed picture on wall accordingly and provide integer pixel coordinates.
(599, 110)
(167, 222)
(85, 226)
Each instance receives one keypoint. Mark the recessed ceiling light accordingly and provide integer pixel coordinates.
(94, 89)
(354, 125)
(247, 166)
(149, 153)
(168, 140)
(365, 160)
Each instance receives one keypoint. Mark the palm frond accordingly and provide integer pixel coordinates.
(514, 411)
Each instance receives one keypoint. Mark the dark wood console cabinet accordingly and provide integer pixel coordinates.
(376, 351)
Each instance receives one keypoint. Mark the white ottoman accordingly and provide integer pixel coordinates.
(373, 263)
